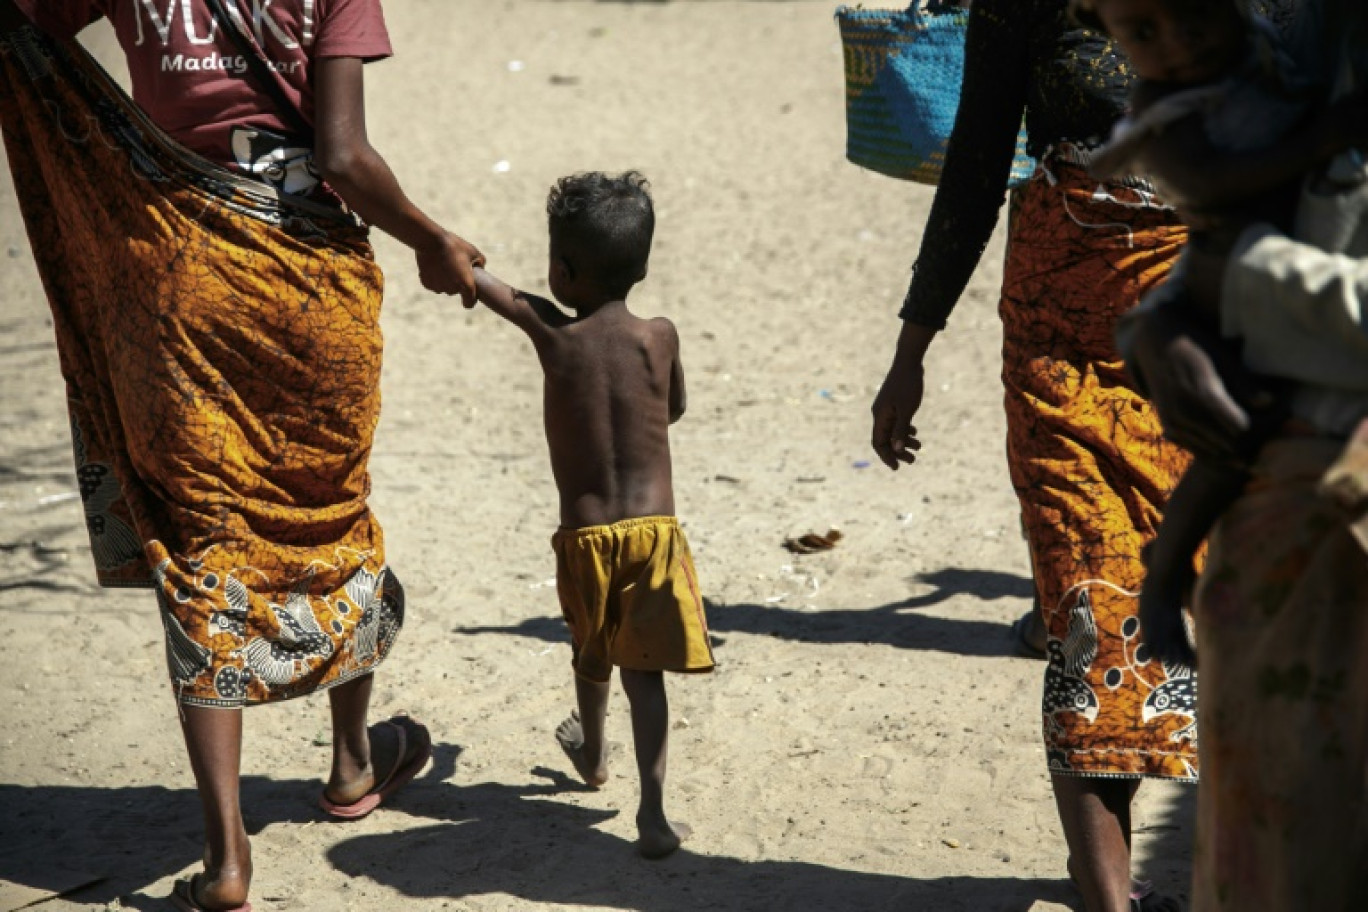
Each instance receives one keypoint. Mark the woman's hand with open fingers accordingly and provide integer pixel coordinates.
(893, 437)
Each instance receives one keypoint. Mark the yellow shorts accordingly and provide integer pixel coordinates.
(630, 595)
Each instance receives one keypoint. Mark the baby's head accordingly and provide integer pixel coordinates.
(601, 229)
(1185, 42)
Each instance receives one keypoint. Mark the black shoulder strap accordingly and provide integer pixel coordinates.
(261, 68)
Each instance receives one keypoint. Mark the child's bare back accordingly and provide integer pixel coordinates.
(613, 386)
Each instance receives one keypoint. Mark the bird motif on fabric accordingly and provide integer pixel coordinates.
(381, 612)
(1066, 689)
(1177, 695)
(113, 543)
(185, 658)
(301, 638)
(233, 619)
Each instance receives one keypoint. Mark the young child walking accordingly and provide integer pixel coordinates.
(613, 387)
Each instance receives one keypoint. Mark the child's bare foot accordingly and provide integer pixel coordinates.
(658, 837)
(570, 736)
(1162, 623)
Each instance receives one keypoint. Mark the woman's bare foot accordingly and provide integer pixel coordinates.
(224, 888)
(570, 736)
(657, 837)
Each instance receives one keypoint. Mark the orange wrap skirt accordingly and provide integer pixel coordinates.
(1092, 470)
(221, 352)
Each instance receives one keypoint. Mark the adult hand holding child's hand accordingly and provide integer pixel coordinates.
(447, 266)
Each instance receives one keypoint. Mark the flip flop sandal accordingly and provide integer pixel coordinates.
(1021, 645)
(400, 776)
(183, 898)
(1144, 899)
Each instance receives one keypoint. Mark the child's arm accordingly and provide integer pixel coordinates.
(1206, 179)
(679, 399)
(533, 315)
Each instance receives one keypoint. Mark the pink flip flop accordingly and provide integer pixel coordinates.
(399, 777)
(183, 898)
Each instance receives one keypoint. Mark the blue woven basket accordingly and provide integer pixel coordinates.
(903, 70)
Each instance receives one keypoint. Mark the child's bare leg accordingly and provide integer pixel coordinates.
(651, 733)
(213, 738)
(581, 736)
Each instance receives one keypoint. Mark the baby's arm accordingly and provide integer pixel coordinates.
(1206, 179)
(678, 397)
(533, 315)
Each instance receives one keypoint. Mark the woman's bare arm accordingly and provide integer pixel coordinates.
(364, 180)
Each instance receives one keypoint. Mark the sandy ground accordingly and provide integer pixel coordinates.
(867, 742)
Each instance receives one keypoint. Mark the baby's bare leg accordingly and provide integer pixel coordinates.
(657, 837)
(1206, 491)
(581, 735)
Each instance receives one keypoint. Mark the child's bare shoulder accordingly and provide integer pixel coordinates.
(663, 330)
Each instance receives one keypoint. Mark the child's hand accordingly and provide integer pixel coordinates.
(447, 266)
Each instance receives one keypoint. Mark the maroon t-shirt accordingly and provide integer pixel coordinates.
(191, 80)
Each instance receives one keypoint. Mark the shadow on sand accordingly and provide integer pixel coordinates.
(487, 838)
(898, 624)
(59, 837)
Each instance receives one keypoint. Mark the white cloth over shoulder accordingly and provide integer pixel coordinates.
(1300, 310)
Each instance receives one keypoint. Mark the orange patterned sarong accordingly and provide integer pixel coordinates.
(221, 351)
(1092, 470)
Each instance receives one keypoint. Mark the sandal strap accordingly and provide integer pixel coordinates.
(399, 755)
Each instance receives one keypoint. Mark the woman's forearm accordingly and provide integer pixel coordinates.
(913, 342)
(363, 179)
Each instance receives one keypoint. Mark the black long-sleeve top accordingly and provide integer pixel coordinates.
(1072, 84)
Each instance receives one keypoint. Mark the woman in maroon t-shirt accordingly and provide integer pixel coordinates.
(217, 321)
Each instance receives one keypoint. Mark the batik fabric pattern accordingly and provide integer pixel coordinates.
(1091, 469)
(1282, 622)
(221, 351)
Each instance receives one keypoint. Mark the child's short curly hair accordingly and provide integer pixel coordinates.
(605, 223)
